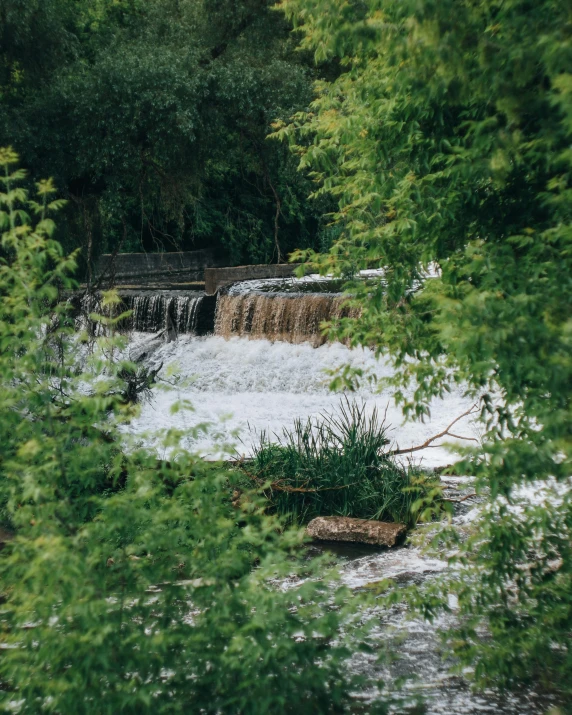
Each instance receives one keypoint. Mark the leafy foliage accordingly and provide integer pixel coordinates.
(339, 465)
(446, 144)
(132, 584)
(153, 117)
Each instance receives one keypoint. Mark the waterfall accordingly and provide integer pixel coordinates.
(150, 312)
(280, 316)
(157, 311)
(147, 314)
(293, 318)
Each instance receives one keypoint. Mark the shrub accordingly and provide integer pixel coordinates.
(445, 141)
(339, 465)
(132, 584)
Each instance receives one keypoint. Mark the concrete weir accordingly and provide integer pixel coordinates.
(187, 293)
(217, 278)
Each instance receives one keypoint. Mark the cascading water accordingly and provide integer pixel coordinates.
(288, 317)
(245, 386)
(157, 311)
(290, 311)
(150, 312)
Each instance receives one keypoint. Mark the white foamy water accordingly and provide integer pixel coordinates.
(242, 387)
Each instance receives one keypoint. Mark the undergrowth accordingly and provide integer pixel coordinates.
(131, 585)
(340, 465)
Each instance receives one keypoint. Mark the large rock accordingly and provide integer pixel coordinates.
(344, 528)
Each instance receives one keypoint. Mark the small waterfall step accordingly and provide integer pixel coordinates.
(289, 317)
(188, 312)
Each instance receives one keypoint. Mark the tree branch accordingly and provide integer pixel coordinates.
(460, 499)
(445, 433)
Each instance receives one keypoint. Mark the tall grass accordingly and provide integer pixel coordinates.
(338, 465)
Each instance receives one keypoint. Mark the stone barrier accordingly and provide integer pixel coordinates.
(216, 278)
(149, 270)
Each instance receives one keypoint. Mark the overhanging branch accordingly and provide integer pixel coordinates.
(445, 433)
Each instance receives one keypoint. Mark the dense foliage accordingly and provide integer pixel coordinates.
(152, 116)
(446, 143)
(341, 465)
(132, 584)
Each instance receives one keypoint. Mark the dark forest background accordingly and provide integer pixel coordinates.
(152, 116)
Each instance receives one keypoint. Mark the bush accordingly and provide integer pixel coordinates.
(339, 465)
(445, 141)
(132, 584)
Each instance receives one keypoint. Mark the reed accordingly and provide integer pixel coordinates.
(338, 465)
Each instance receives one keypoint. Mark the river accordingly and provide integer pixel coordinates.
(237, 387)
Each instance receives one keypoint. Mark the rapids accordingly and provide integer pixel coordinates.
(241, 387)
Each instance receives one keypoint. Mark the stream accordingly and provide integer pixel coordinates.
(239, 387)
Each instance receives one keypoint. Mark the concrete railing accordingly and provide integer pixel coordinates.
(216, 278)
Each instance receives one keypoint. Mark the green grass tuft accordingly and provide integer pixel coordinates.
(339, 465)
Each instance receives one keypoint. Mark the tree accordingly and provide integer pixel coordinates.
(446, 144)
(153, 116)
(132, 583)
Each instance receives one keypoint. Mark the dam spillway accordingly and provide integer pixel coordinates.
(257, 302)
(287, 317)
(275, 315)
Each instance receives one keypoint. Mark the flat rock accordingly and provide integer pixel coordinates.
(363, 531)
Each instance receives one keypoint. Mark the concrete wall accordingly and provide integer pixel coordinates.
(216, 278)
(154, 269)
(179, 271)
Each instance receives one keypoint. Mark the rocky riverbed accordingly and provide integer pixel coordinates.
(418, 652)
(242, 387)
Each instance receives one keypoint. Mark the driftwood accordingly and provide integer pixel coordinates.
(460, 499)
(361, 531)
(138, 383)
